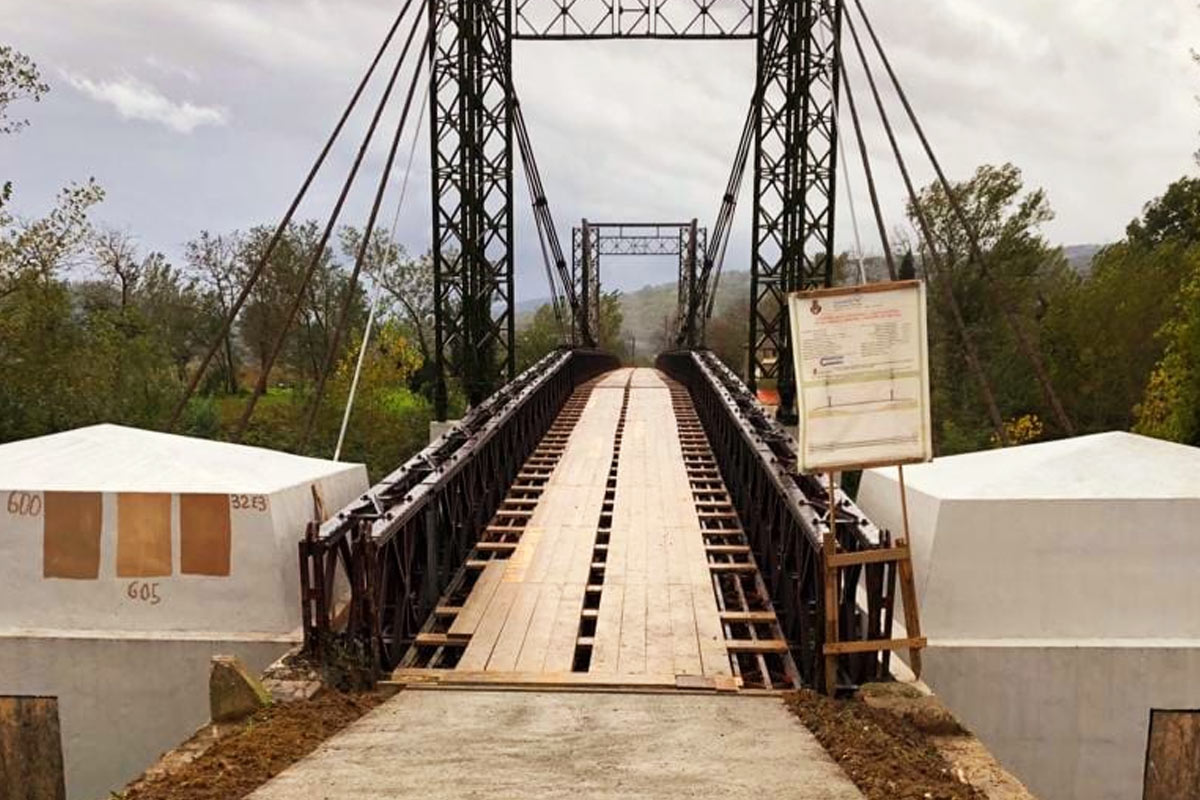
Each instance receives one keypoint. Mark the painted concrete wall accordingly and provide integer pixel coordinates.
(1056, 623)
(259, 594)
(1070, 721)
(122, 701)
(1046, 569)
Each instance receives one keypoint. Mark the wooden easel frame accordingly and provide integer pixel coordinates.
(900, 554)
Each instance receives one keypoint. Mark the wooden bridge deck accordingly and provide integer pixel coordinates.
(602, 567)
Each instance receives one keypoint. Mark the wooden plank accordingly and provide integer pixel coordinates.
(757, 646)
(912, 617)
(441, 640)
(477, 602)
(1172, 756)
(829, 580)
(874, 645)
(498, 547)
(541, 627)
(869, 557)
(734, 566)
(479, 651)
(560, 649)
(31, 759)
(517, 565)
(533, 680)
(606, 652)
(727, 549)
(516, 626)
(659, 651)
(748, 616)
(685, 650)
(713, 655)
(632, 657)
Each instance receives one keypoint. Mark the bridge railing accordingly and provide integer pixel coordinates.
(785, 518)
(372, 574)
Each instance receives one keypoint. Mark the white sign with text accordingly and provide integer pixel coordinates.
(862, 376)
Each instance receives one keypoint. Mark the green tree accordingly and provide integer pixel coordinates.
(610, 336)
(213, 260)
(39, 250)
(538, 337)
(998, 305)
(1174, 217)
(264, 318)
(1171, 405)
(20, 79)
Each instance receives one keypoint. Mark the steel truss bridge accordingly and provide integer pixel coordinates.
(446, 562)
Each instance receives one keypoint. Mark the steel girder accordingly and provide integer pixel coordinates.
(794, 176)
(372, 574)
(471, 127)
(784, 515)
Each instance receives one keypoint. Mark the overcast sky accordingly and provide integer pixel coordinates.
(205, 114)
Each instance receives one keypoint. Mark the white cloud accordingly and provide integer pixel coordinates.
(135, 99)
(171, 70)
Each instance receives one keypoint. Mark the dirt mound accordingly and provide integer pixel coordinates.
(269, 742)
(885, 755)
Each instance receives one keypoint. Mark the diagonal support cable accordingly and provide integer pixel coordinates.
(551, 246)
(1031, 353)
(703, 299)
(260, 387)
(277, 237)
(364, 245)
(970, 351)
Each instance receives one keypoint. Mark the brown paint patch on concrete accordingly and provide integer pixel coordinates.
(205, 534)
(143, 535)
(71, 538)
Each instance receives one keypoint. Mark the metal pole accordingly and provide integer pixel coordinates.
(362, 354)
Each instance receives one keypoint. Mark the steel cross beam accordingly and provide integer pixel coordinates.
(634, 19)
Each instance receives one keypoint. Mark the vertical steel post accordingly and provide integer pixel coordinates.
(795, 152)
(472, 180)
(693, 291)
(586, 334)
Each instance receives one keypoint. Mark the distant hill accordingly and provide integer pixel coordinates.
(650, 311)
(1080, 256)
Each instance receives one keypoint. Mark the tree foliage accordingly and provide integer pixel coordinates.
(93, 327)
(20, 79)
(997, 304)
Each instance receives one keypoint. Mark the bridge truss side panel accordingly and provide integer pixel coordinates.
(794, 176)
(472, 181)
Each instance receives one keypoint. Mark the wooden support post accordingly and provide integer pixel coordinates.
(831, 602)
(31, 760)
(908, 585)
(898, 555)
